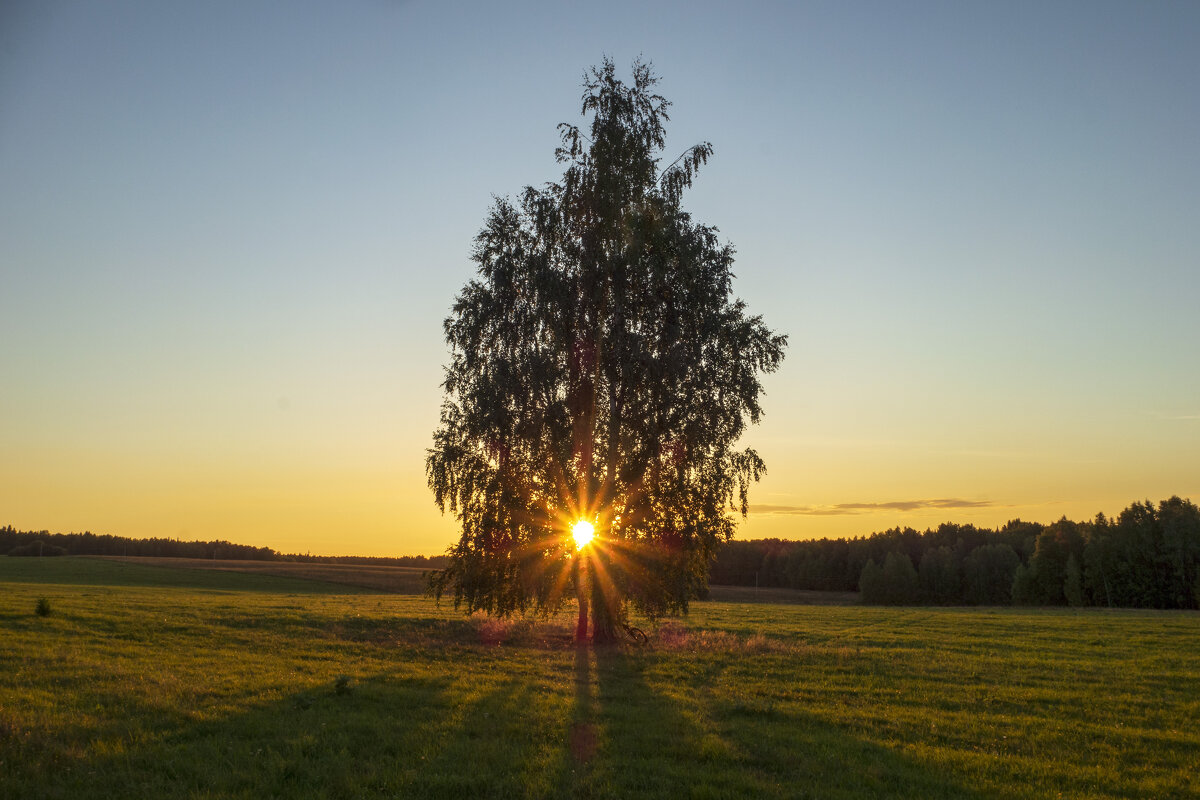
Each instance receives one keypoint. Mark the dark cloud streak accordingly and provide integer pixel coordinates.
(845, 509)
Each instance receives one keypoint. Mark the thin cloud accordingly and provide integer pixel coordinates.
(846, 509)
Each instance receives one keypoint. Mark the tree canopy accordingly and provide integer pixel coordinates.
(600, 370)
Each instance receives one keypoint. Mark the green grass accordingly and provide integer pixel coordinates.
(111, 573)
(153, 682)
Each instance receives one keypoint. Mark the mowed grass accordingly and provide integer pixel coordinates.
(153, 682)
(400, 580)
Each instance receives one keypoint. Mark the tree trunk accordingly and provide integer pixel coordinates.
(581, 594)
(603, 617)
(581, 627)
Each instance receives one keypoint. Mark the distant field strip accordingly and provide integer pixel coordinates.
(410, 580)
(144, 681)
(401, 580)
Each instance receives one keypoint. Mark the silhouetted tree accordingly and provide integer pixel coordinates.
(600, 369)
(1099, 563)
(1024, 590)
(988, 573)
(1073, 582)
(901, 584)
(1048, 567)
(1021, 536)
(1179, 521)
(1148, 558)
(870, 583)
(939, 574)
(895, 583)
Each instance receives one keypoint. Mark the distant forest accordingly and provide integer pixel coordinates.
(44, 543)
(1146, 558)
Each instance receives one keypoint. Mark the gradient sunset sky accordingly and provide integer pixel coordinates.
(230, 231)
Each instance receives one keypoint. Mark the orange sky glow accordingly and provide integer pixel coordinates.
(229, 237)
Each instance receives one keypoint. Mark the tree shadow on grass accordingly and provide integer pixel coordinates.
(458, 719)
(577, 763)
(651, 734)
(357, 739)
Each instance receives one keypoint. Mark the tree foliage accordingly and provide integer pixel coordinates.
(600, 369)
(1073, 583)
(34, 543)
(939, 570)
(988, 572)
(870, 584)
(895, 583)
(900, 581)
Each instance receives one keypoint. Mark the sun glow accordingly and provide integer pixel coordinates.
(582, 532)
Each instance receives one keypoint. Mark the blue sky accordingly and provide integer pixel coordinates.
(229, 233)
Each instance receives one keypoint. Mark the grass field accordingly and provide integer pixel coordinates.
(398, 580)
(146, 681)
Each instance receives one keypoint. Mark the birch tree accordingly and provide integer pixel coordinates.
(602, 371)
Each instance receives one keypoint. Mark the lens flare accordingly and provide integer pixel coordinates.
(582, 532)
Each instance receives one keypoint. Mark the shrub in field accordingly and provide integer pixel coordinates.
(43, 607)
(37, 548)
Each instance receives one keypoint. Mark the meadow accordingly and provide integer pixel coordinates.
(156, 681)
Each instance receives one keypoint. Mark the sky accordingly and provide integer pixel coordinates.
(230, 232)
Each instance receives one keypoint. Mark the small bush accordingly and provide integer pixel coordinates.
(38, 548)
(341, 684)
(43, 607)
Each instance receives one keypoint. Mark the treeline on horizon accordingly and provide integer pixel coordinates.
(44, 543)
(1147, 557)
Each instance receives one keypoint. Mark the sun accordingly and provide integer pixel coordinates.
(582, 532)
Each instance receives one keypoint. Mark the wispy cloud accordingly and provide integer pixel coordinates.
(843, 509)
(1177, 416)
